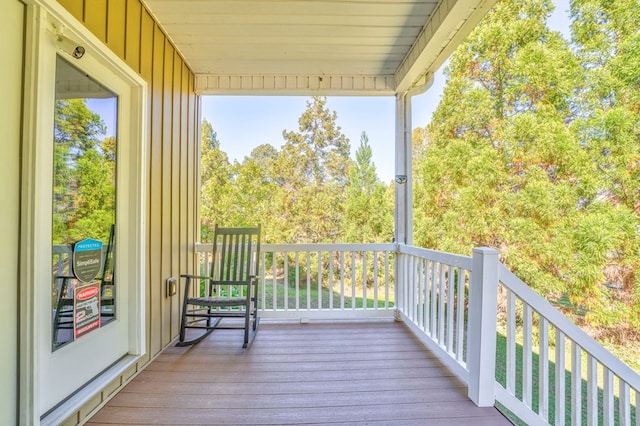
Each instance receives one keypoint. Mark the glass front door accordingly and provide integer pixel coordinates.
(83, 179)
(83, 288)
(88, 294)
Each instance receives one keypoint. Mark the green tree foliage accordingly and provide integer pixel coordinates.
(253, 188)
(84, 174)
(607, 39)
(299, 193)
(319, 151)
(215, 187)
(368, 213)
(312, 172)
(531, 152)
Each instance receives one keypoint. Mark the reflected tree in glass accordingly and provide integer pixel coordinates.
(84, 189)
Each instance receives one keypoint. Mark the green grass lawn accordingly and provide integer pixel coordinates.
(501, 350)
(308, 298)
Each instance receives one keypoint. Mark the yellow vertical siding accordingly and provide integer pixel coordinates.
(95, 17)
(147, 27)
(130, 31)
(133, 32)
(175, 185)
(156, 183)
(167, 152)
(184, 164)
(76, 7)
(116, 26)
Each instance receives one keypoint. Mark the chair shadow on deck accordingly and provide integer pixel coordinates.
(229, 291)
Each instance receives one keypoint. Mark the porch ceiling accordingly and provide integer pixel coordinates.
(315, 47)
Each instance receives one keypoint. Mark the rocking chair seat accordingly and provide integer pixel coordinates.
(217, 301)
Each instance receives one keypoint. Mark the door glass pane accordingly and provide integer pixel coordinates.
(83, 290)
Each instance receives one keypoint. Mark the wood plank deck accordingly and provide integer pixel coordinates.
(321, 373)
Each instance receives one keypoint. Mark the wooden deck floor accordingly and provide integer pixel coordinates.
(326, 373)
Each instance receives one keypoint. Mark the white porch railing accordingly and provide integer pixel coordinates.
(606, 393)
(552, 371)
(322, 281)
(433, 299)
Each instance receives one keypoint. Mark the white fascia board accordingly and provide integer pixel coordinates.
(450, 23)
(350, 85)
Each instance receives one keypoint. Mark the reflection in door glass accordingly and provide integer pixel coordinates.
(83, 290)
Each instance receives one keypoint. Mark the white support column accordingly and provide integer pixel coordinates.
(404, 207)
(481, 331)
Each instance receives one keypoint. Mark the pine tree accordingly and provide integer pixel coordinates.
(312, 174)
(500, 167)
(84, 174)
(368, 217)
(215, 177)
(606, 36)
(534, 151)
(253, 189)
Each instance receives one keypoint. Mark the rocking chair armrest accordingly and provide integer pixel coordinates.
(206, 277)
(254, 279)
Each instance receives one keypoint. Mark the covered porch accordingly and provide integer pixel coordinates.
(389, 334)
(351, 333)
(348, 372)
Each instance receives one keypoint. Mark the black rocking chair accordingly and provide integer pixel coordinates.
(231, 289)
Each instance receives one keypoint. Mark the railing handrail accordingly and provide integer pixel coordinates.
(568, 328)
(324, 281)
(437, 256)
(204, 247)
(61, 249)
(426, 278)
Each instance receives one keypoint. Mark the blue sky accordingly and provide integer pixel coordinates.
(244, 122)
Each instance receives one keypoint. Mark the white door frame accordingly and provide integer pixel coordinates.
(45, 20)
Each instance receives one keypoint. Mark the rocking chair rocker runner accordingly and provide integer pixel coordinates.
(230, 290)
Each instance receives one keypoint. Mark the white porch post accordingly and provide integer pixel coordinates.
(403, 211)
(481, 331)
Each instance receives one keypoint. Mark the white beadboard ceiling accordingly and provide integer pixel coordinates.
(307, 46)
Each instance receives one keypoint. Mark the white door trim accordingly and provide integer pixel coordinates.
(44, 18)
